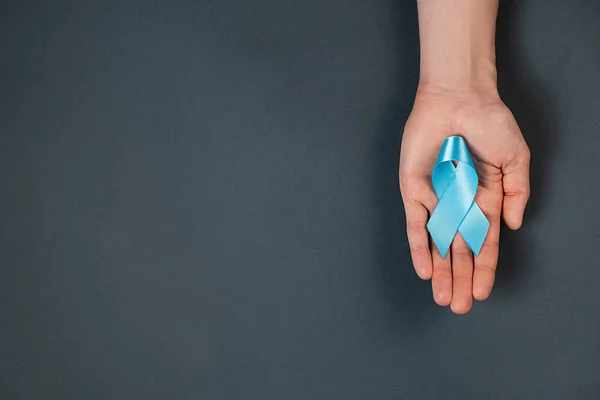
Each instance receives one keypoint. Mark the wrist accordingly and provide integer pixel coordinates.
(457, 44)
(441, 98)
(463, 74)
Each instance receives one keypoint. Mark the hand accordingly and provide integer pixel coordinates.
(501, 158)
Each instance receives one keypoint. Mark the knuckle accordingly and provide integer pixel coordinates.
(460, 279)
(491, 244)
(442, 270)
(418, 248)
(415, 225)
(461, 250)
(486, 268)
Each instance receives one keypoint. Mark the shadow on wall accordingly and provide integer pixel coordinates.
(408, 299)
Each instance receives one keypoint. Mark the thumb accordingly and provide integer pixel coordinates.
(516, 190)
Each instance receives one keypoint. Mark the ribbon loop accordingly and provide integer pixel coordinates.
(455, 187)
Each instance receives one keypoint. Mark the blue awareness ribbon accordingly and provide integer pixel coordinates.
(455, 187)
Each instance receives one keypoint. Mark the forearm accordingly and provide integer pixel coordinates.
(457, 44)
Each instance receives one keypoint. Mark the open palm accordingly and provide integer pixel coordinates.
(501, 157)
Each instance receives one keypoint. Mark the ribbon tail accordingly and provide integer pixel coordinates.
(474, 228)
(442, 237)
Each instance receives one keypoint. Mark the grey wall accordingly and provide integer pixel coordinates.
(199, 200)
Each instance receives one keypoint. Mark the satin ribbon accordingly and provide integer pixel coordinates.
(455, 187)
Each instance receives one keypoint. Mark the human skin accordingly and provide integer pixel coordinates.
(458, 95)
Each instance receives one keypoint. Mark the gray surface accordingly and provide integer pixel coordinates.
(199, 201)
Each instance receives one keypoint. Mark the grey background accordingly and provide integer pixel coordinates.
(199, 200)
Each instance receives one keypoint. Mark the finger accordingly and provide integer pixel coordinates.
(441, 281)
(418, 239)
(462, 276)
(487, 260)
(419, 198)
(516, 191)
